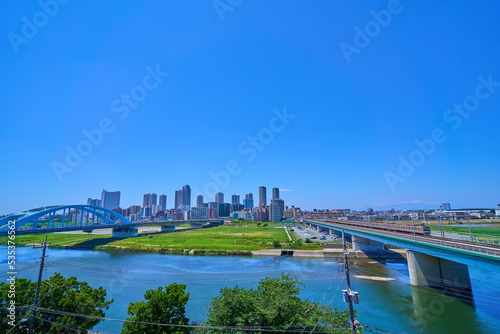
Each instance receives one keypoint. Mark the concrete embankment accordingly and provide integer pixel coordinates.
(333, 253)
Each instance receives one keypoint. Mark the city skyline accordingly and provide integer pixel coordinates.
(409, 205)
(342, 117)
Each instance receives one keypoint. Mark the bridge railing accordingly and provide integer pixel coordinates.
(90, 225)
(467, 246)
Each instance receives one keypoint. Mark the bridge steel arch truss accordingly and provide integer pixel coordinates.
(72, 216)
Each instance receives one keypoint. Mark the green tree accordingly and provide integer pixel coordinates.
(274, 304)
(56, 293)
(162, 307)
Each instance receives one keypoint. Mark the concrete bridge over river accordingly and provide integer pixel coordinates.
(436, 262)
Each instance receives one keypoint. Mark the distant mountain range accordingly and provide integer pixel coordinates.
(418, 206)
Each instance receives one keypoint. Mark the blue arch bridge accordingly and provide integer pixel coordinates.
(62, 218)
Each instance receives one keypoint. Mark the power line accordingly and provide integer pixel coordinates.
(30, 309)
(476, 297)
(334, 294)
(65, 327)
(35, 304)
(281, 329)
(321, 302)
(348, 282)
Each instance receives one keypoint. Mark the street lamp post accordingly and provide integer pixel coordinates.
(441, 222)
(413, 223)
(470, 230)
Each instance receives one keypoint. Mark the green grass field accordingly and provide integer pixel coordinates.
(479, 232)
(447, 222)
(244, 236)
(219, 238)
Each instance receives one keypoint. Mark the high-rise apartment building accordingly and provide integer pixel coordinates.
(163, 203)
(186, 196)
(219, 198)
(212, 213)
(248, 201)
(274, 213)
(146, 212)
(149, 200)
(110, 199)
(261, 214)
(276, 193)
(235, 199)
(94, 202)
(213, 205)
(154, 210)
(276, 209)
(134, 209)
(199, 201)
(262, 196)
(224, 209)
(236, 207)
(178, 198)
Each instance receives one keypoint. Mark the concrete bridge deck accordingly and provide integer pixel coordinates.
(440, 263)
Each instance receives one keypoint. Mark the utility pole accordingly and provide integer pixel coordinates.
(348, 292)
(33, 311)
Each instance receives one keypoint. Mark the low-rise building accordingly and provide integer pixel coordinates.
(287, 214)
(199, 213)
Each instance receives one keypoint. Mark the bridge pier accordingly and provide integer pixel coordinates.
(335, 233)
(167, 228)
(196, 225)
(366, 245)
(124, 232)
(435, 272)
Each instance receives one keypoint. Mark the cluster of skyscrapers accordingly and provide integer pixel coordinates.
(275, 211)
(153, 209)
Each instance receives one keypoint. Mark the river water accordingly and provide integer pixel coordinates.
(385, 306)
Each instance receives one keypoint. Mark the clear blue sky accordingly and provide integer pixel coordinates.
(352, 120)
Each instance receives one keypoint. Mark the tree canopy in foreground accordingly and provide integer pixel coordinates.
(161, 307)
(56, 293)
(275, 304)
